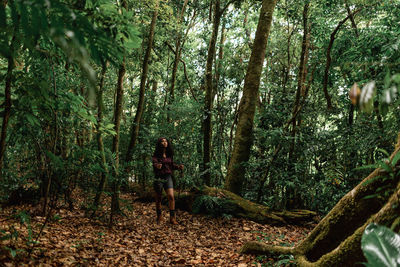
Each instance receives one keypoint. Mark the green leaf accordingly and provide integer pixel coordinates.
(387, 79)
(371, 196)
(32, 119)
(381, 246)
(13, 253)
(372, 180)
(57, 160)
(395, 159)
(385, 166)
(366, 167)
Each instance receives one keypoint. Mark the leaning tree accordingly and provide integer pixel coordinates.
(336, 240)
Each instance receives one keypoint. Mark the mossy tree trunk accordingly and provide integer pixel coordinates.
(247, 107)
(238, 206)
(336, 240)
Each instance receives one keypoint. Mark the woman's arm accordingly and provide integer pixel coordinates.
(156, 163)
(176, 166)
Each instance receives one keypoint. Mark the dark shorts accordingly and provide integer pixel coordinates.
(162, 182)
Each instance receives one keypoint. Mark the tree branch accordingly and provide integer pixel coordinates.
(329, 59)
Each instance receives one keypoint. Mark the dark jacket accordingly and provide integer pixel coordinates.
(168, 166)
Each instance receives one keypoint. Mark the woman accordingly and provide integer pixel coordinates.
(163, 165)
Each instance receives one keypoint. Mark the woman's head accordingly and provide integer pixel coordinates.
(163, 144)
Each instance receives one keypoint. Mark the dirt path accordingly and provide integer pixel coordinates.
(136, 240)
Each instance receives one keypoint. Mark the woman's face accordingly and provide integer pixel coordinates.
(164, 143)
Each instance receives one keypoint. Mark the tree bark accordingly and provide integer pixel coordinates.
(100, 143)
(115, 145)
(219, 138)
(219, 63)
(7, 110)
(7, 95)
(178, 51)
(247, 107)
(238, 206)
(246, 29)
(139, 111)
(353, 22)
(301, 79)
(335, 241)
(208, 86)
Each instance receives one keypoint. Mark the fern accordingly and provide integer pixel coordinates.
(213, 206)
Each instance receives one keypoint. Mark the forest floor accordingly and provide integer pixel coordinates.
(71, 239)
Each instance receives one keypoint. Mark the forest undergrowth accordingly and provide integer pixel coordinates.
(71, 239)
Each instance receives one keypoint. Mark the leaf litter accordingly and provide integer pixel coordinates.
(136, 239)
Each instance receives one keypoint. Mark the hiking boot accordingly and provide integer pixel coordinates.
(172, 217)
(173, 221)
(159, 217)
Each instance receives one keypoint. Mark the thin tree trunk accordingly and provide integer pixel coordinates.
(54, 137)
(136, 123)
(247, 107)
(219, 62)
(119, 95)
(219, 140)
(100, 143)
(246, 29)
(329, 58)
(7, 110)
(289, 60)
(207, 128)
(178, 51)
(353, 22)
(115, 145)
(301, 79)
(7, 95)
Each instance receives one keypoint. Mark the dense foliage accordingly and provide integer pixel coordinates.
(53, 54)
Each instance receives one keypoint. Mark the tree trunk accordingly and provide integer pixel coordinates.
(115, 145)
(301, 79)
(219, 138)
(7, 95)
(246, 28)
(208, 86)
(219, 62)
(100, 143)
(178, 51)
(247, 107)
(139, 111)
(291, 194)
(353, 22)
(236, 206)
(335, 241)
(329, 59)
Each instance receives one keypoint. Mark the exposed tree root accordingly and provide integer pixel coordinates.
(335, 241)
